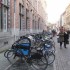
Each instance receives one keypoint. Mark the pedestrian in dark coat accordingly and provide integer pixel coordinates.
(66, 37)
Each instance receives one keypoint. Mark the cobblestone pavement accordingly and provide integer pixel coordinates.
(62, 61)
(5, 65)
(3, 62)
(22, 66)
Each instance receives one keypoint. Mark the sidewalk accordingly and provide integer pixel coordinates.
(3, 62)
(5, 65)
(22, 66)
(62, 61)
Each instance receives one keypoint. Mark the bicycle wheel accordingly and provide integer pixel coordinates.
(40, 64)
(50, 57)
(11, 56)
(5, 53)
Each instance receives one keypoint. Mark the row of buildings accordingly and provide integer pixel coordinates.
(65, 18)
(20, 17)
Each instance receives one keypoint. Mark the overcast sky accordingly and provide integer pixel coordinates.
(55, 8)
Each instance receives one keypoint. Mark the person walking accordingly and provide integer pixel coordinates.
(66, 38)
(61, 36)
(53, 32)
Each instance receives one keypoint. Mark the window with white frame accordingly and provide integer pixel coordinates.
(4, 15)
(21, 15)
(14, 5)
(5, 2)
(4, 19)
(0, 18)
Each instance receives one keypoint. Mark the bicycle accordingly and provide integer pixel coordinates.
(22, 50)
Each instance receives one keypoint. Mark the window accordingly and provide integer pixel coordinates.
(4, 16)
(5, 2)
(38, 22)
(21, 15)
(27, 18)
(4, 19)
(21, 9)
(14, 5)
(0, 13)
(0, 18)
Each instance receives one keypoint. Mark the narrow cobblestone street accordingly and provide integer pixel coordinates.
(62, 60)
(22, 66)
(5, 65)
(38, 21)
(3, 62)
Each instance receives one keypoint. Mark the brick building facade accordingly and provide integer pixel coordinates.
(19, 17)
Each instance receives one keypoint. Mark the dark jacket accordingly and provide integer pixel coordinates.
(61, 36)
(66, 37)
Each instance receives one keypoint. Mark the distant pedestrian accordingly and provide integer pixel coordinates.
(66, 38)
(68, 31)
(63, 37)
(54, 32)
